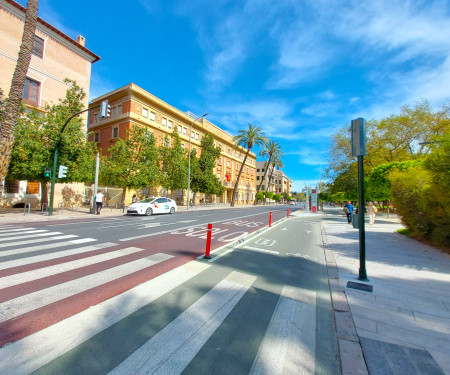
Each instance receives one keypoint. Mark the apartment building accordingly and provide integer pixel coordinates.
(133, 106)
(279, 183)
(55, 56)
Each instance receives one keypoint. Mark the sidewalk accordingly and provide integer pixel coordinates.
(403, 326)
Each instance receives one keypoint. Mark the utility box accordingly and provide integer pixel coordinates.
(355, 221)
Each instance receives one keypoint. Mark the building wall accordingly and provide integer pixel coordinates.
(133, 106)
(62, 57)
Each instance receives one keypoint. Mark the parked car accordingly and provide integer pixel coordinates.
(153, 205)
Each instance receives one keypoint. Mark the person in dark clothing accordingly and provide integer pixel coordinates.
(348, 209)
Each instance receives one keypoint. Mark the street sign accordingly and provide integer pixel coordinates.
(314, 200)
(358, 137)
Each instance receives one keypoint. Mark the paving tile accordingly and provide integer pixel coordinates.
(372, 335)
(387, 358)
(364, 323)
(344, 326)
(352, 360)
(339, 301)
(442, 323)
(442, 312)
(443, 360)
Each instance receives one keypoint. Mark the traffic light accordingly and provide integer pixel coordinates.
(105, 109)
(62, 171)
(47, 173)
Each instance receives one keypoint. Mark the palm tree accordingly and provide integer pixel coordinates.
(271, 149)
(247, 138)
(276, 163)
(16, 90)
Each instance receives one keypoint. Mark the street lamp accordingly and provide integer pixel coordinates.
(189, 161)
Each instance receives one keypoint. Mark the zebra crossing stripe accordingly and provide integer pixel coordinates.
(288, 346)
(43, 246)
(171, 349)
(55, 255)
(3, 231)
(8, 281)
(44, 346)
(23, 304)
(27, 236)
(37, 240)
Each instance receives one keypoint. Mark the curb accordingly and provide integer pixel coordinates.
(350, 350)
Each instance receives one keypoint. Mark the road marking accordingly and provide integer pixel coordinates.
(29, 236)
(21, 305)
(44, 346)
(44, 247)
(37, 240)
(259, 249)
(55, 255)
(220, 255)
(172, 348)
(284, 229)
(40, 273)
(265, 242)
(298, 255)
(185, 221)
(288, 346)
(9, 230)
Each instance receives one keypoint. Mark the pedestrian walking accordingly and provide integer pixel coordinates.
(371, 210)
(348, 209)
(99, 201)
(134, 199)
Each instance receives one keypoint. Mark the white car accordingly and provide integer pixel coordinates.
(153, 205)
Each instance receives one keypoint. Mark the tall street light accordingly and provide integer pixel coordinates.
(189, 161)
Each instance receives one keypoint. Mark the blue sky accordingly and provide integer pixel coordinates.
(298, 69)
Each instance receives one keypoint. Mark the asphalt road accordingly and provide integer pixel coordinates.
(260, 306)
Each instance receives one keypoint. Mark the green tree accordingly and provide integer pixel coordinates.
(270, 150)
(247, 138)
(174, 163)
(276, 163)
(132, 163)
(277, 198)
(36, 135)
(11, 113)
(203, 179)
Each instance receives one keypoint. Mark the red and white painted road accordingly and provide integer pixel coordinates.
(44, 280)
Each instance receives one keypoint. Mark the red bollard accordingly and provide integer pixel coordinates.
(270, 219)
(288, 212)
(208, 242)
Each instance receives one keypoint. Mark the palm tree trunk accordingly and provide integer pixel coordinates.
(233, 198)
(264, 177)
(16, 90)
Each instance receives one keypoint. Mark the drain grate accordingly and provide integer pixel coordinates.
(359, 286)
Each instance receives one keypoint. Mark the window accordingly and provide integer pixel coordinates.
(251, 171)
(218, 176)
(220, 161)
(152, 116)
(170, 124)
(113, 111)
(95, 118)
(96, 137)
(237, 167)
(145, 112)
(31, 92)
(184, 131)
(257, 177)
(164, 121)
(228, 164)
(11, 186)
(229, 152)
(119, 110)
(32, 187)
(115, 132)
(247, 169)
(192, 134)
(196, 136)
(38, 47)
(166, 142)
(262, 170)
(179, 129)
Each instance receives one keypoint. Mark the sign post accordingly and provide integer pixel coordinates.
(359, 150)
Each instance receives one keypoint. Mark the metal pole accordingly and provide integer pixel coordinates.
(52, 188)
(361, 209)
(97, 164)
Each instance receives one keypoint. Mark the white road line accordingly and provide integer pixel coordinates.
(43, 247)
(220, 255)
(288, 346)
(37, 240)
(40, 273)
(23, 304)
(259, 249)
(172, 348)
(4, 236)
(9, 230)
(44, 346)
(55, 255)
(29, 236)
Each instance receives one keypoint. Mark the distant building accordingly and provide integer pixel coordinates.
(133, 106)
(55, 56)
(279, 183)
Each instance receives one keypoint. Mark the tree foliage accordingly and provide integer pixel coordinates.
(132, 162)
(174, 163)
